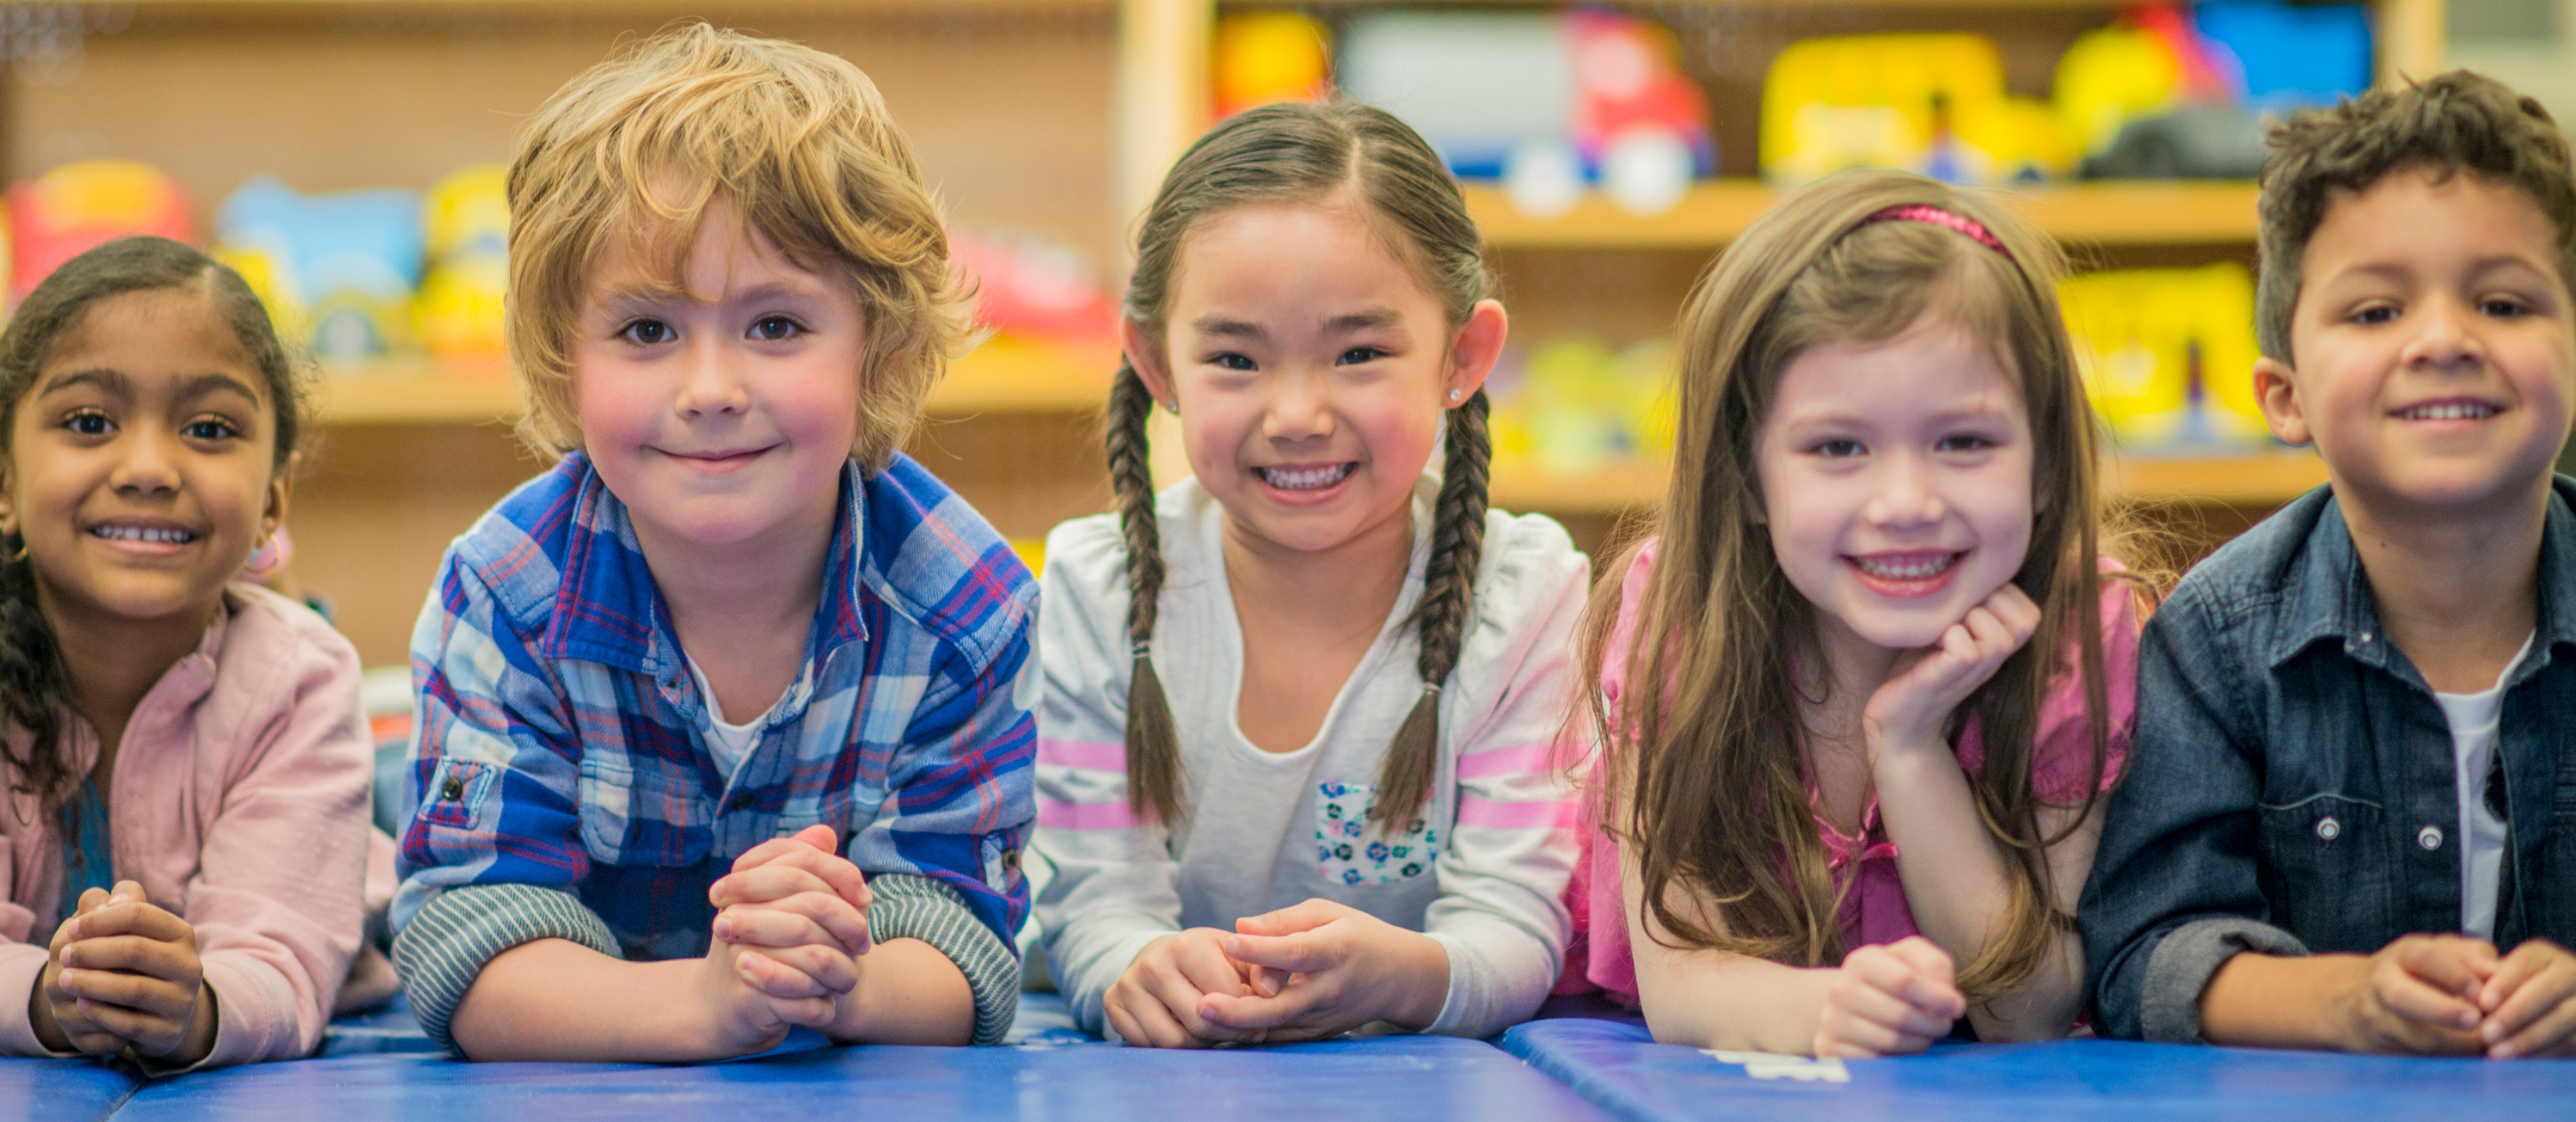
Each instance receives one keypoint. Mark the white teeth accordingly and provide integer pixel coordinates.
(1923, 566)
(1305, 479)
(2450, 411)
(153, 534)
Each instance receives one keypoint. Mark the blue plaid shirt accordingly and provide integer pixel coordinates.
(558, 733)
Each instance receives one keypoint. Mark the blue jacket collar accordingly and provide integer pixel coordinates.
(2329, 594)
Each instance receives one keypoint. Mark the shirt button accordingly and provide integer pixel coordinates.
(2328, 828)
(1011, 860)
(453, 790)
(2430, 837)
(741, 801)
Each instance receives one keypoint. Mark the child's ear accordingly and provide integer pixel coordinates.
(281, 487)
(1473, 351)
(1145, 354)
(2279, 393)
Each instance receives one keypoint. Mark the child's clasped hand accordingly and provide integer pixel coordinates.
(2451, 994)
(125, 978)
(1891, 999)
(791, 927)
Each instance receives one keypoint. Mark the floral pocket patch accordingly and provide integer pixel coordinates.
(1354, 853)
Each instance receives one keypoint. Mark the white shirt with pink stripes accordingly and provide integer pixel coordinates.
(1483, 871)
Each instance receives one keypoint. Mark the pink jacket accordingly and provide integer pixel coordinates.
(240, 802)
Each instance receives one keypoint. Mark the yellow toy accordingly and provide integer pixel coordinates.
(465, 224)
(2112, 76)
(2168, 355)
(1929, 103)
(1262, 57)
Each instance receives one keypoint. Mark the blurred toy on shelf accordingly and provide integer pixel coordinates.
(1264, 57)
(1034, 288)
(2165, 95)
(465, 229)
(1929, 103)
(1548, 103)
(1572, 404)
(64, 212)
(2168, 357)
(342, 268)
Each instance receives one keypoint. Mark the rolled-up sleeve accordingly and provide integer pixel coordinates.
(2175, 890)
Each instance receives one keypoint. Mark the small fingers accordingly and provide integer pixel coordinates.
(134, 917)
(1303, 953)
(806, 917)
(1304, 916)
(1143, 1019)
(796, 972)
(127, 989)
(172, 962)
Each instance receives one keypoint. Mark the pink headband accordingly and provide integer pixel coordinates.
(1921, 212)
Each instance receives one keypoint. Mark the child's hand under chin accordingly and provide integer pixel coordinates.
(1910, 709)
(787, 940)
(125, 974)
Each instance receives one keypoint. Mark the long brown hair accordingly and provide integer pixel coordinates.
(1704, 751)
(1307, 153)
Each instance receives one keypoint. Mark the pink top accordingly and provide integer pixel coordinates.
(239, 801)
(1864, 865)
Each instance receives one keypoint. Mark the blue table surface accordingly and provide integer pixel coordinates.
(1621, 1069)
(379, 1065)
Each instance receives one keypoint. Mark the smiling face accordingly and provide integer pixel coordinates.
(142, 461)
(721, 415)
(1311, 368)
(2432, 344)
(1896, 481)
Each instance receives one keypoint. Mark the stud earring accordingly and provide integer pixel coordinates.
(1457, 395)
(1173, 407)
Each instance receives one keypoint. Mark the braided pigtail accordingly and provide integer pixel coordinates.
(1448, 590)
(1153, 743)
(33, 684)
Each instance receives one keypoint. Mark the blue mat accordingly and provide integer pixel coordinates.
(61, 1090)
(1398, 1078)
(1620, 1069)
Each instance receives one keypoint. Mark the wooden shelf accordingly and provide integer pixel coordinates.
(2263, 480)
(1003, 376)
(1715, 212)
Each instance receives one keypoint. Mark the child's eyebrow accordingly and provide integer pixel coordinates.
(204, 384)
(111, 381)
(1229, 328)
(1366, 320)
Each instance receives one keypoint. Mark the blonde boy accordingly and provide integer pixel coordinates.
(722, 727)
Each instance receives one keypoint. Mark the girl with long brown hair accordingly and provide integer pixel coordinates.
(1862, 688)
(1294, 767)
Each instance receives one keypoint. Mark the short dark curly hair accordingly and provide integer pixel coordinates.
(2460, 120)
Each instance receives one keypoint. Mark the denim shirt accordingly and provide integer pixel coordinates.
(2291, 783)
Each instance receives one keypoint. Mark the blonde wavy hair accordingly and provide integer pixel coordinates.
(796, 141)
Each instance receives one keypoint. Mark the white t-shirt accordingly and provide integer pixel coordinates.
(2473, 718)
(729, 742)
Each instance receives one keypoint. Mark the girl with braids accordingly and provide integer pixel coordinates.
(1891, 676)
(1294, 763)
(185, 833)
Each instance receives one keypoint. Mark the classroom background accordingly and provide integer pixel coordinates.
(344, 155)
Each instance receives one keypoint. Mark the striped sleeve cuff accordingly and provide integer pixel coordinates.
(906, 906)
(443, 949)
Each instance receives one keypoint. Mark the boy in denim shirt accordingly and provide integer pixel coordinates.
(724, 722)
(2350, 819)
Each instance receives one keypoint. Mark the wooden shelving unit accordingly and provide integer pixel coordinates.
(1004, 376)
(1715, 212)
(2264, 480)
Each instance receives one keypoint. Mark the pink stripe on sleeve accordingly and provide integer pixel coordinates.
(1473, 811)
(1056, 814)
(1506, 761)
(1081, 754)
